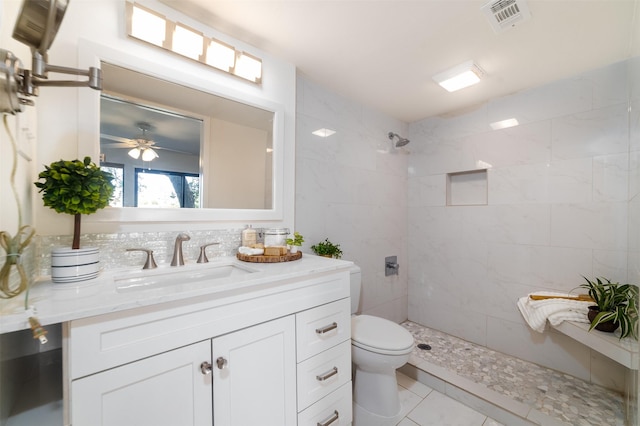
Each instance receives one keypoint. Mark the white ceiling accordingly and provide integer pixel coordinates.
(383, 53)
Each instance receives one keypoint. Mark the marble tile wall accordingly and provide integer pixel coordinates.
(562, 202)
(352, 188)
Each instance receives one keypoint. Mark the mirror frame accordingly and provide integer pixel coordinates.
(92, 54)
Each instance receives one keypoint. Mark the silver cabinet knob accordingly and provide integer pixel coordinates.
(206, 368)
(221, 363)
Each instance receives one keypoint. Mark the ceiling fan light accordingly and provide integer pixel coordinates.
(134, 153)
(149, 154)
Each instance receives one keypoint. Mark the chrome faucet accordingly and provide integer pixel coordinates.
(178, 259)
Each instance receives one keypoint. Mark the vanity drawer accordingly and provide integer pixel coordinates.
(323, 373)
(322, 327)
(336, 405)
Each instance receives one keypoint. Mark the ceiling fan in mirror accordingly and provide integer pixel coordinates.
(141, 147)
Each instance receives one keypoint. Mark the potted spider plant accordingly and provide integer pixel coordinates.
(295, 242)
(327, 249)
(616, 305)
(76, 188)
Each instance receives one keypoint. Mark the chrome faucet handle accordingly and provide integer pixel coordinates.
(149, 263)
(203, 255)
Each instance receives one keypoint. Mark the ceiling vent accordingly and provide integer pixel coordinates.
(505, 14)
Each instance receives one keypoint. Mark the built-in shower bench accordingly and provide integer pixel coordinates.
(624, 352)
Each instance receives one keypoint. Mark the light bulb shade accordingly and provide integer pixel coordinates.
(149, 154)
(134, 153)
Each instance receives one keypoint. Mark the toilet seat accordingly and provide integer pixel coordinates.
(380, 335)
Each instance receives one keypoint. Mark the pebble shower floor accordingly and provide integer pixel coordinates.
(556, 394)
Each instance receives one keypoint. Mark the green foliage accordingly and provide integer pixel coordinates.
(616, 302)
(328, 249)
(75, 187)
(297, 239)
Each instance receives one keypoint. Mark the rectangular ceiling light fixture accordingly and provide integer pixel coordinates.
(149, 26)
(504, 124)
(460, 76)
(323, 133)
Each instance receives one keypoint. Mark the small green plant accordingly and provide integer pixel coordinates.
(327, 249)
(616, 302)
(76, 188)
(297, 239)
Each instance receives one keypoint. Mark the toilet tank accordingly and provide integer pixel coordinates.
(356, 286)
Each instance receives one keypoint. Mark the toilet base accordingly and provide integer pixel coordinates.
(362, 417)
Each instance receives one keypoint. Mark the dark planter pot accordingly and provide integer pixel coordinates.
(607, 326)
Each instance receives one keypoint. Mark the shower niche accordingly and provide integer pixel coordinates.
(468, 188)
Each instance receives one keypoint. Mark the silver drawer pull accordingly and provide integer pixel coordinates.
(327, 328)
(325, 376)
(335, 416)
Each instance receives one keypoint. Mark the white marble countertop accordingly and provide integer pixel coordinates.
(56, 303)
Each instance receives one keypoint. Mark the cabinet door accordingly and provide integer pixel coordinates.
(167, 389)
(254, 375)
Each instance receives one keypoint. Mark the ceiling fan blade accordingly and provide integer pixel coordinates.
(117, 139)
(117, 145)
(172, 150)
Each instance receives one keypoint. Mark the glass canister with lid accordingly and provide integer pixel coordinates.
(275, 237)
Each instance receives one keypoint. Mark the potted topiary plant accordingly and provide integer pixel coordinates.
(295, 242)
(616, 306)
(76, 188)
(327, 249)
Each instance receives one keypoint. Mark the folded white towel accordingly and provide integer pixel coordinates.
(537, 312)
(250, 251)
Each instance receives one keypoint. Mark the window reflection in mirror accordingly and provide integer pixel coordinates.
(211, 152)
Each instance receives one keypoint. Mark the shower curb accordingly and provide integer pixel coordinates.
(482, 399)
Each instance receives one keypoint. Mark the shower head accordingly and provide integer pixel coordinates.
(401, 141)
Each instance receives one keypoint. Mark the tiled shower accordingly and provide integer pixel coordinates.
(546, 201)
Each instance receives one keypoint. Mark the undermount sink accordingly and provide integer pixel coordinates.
(184, 276)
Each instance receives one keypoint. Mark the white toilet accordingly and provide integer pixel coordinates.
(378, 348)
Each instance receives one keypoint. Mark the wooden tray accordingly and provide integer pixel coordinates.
(269, 259)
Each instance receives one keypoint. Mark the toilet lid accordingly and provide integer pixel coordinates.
(380, 335)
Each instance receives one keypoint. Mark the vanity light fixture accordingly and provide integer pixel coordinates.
(187, 42)
(504, 124)
(221, 56)
(460, 76)
(147, 25)
(323, 133)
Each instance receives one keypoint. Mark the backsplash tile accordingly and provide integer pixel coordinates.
(113, 247)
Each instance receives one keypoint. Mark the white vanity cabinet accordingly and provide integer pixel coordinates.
(166, 389)
(224, 361)
(324, 365)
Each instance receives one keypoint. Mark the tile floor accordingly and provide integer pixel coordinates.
(558, 397)
(423, 406)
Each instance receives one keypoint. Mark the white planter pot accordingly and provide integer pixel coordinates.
(293, 249)
(68, 265)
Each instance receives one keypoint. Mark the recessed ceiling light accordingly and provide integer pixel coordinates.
(324, 133)
(509, 122)
(460, 76)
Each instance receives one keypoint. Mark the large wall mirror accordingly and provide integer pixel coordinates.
(170, 146)
(217, 151)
